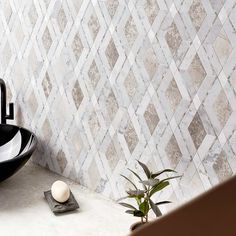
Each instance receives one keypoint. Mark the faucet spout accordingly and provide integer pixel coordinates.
(4, 115)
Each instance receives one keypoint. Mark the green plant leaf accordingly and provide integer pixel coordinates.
(162, 184)
(137, 177)
(138, 213)
(144, 207)
(130, 212)
(129, 181)
(145, 168)
(127, 205)
(173, 177)
(138, 200)
(161, 172)
(150, 182)
(163, 202)
(159, 187)
(155, 209)
(136, 193)
(135, 174)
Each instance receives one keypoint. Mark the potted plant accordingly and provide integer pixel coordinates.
(143, 196)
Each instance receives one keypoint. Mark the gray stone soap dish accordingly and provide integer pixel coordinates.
(57, 207)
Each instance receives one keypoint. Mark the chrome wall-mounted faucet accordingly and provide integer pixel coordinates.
(4, 116)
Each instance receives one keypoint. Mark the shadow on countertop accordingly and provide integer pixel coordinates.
(26, 187)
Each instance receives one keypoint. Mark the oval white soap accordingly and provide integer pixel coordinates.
(60, 191)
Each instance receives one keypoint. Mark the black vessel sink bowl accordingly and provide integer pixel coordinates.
(16, 147)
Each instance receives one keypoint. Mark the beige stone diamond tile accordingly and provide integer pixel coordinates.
(94, 175)
(131, 137)
(77, 94)
(197, 130)
(219, 162)
(222, 108)
(222, 47)
(173, 95)
(112, 156)
(151, 117)
(33, 15)
(77, 46)
(222, 167)
(151, 62)
(62, 161)
(130, 84)
(112, 54)
(77, 142)
(131, 31)
(94, 74)
(197, 14)
(197, 73)
(61, 19)
(47, 39)
(47, 130)
(151, 8)
(47, 85)
(94, 25)
(94, 124)
(173, 152)
(173, 38)
(112, 6)
(111, 105)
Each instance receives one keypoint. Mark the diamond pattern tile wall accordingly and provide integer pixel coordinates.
(103, 83)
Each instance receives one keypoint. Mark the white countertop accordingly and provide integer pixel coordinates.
(24, 210)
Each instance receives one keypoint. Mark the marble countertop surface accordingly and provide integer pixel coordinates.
(24, 210)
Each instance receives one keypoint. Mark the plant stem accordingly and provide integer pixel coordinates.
(147, 199)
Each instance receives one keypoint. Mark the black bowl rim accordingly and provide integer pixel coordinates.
(27, 152)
